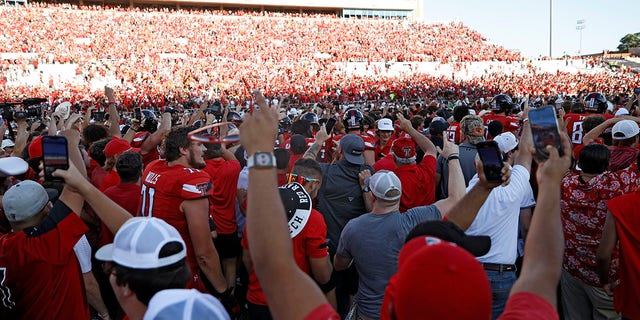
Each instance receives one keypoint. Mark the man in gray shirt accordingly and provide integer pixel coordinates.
(373, 240)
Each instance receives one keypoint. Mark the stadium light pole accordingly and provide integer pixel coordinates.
(580, 25)
(550, 28)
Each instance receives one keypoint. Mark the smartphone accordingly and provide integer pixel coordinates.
(331, 122)
(55, 155)
(544, 129)
(138, 113)
(636, 91)
(491, 158)
(98, 116)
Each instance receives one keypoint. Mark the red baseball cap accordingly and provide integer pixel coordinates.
(35, 148)
(404, 148)
(139, 138)
(116, 146)
(433, 277)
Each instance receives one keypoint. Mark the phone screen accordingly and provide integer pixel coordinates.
(55, 155)
(331, 122)
(138, 113)
(491, 158)
(544, 129)
(98, 116)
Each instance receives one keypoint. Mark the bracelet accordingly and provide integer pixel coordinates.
(453, 157)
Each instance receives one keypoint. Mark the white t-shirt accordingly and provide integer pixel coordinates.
(498, 216)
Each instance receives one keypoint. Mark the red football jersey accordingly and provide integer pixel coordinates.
(453, 132)
(40, 277)
(574, 121)
(164, 188)
(510, 124)
(224, 177)
(311, 242)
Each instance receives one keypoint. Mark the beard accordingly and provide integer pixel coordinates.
(193, 161)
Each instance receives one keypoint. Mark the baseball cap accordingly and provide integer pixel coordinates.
(35, 148)
(385, 124)
(444, 272)
(438, 125)
(404, 148)
(184, 304)
(473, 128)
(7, 143)
(506, 141)
(352, 148)
(622, 112)
(13, 166)
(625, 129)
(116, 146)
(385, 185)
(298, 144)
(449, 231)
(297, 205)
(138, 243)
(24, 200)
(139, 138)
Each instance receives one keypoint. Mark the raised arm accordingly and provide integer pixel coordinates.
(156, 138)
(456, 187)
(423, 142)
(114, 117)
(268, 235)
(321, 137)
(599, 130)
(545, 243)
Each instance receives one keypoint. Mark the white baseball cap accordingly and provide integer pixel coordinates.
(624, 129)
(138, 243)
(13, 166)
(385, 185)
(184, 304)
(506, 141)
(385, 124)
(7, 143)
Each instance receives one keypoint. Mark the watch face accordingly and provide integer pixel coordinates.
(263, 159)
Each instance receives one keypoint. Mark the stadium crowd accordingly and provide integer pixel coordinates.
(343, 198)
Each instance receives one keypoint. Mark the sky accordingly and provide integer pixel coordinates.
(524, 24)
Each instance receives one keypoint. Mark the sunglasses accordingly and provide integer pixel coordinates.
(211, 134)
(292, 177)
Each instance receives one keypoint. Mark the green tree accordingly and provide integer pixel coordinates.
(631, 40)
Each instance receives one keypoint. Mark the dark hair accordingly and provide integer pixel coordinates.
(176, 139)
(308, 168)
(302, 127)
(577, 107)
(93, 133)
(594, 158)
(145, 283)
(129, 166)
(214, 150)
(282, 158)
(459, 112)
(240, 156)
(495, 128)
(96, 151)
(416, 121)
(149, 125)
(298, 144)
(591, 122)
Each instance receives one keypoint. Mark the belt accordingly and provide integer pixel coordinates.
(499, 267)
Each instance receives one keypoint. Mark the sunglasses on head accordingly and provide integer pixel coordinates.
(292, 177)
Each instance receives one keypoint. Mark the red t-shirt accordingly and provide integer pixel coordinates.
(311, 242)
(382, 151)
(626, 295)
(97, 176)
(222, 200)
(418, 183)
(39, 272)
(386, 163)
(111, 179)
(526, 305)
(164, 188)
(126, 195)
(453, 132)
(292, 160)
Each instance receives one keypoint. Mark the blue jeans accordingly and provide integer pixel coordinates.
(501, 283)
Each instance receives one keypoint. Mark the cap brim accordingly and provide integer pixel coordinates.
(476, 245)
(13, 166)
(105, 253)
(359, 160)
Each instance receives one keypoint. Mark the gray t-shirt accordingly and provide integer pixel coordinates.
(374, 241)
(340, 197)
(467, 156)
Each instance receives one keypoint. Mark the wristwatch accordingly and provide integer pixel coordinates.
(366, 189)
(262, 160)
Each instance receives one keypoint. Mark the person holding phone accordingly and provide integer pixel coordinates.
(498, 218)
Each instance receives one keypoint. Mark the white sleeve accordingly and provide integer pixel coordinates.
(83, 253)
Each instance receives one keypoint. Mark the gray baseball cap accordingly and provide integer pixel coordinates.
(24, 200)
(352, 148)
